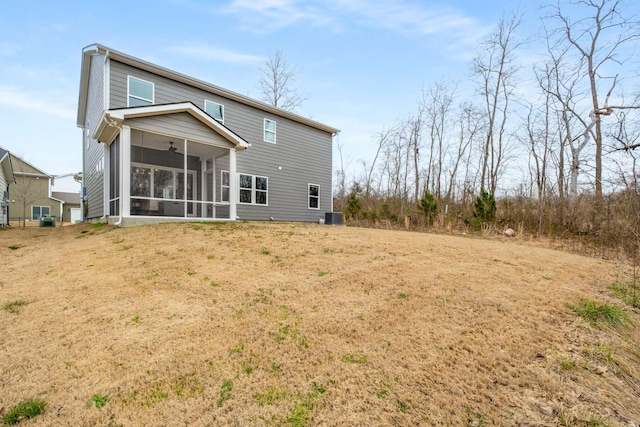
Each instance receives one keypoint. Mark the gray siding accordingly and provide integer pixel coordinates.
(93, 173)
(303, 152)
(180, 125)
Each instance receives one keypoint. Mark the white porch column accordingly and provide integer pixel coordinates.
(233, 185)
(105, 181)
(184, 180)
(125, 172)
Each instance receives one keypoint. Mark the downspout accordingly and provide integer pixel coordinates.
(105, 186)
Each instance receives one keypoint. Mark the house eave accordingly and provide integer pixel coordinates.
(7, 168)
(191, 81)
(108, 128)
(87, 52)
(112, 120)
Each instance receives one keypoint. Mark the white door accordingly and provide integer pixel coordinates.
(75, 215)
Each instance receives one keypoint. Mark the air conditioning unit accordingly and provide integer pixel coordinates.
(333, 218)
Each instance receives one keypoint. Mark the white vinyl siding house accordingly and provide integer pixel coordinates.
(177, 148)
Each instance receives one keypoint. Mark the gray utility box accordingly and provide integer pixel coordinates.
(333, 218)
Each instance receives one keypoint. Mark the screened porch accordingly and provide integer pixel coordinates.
(170, 177)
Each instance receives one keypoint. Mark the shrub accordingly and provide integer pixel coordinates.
(353, 206)
(484, 208)
(429, 206)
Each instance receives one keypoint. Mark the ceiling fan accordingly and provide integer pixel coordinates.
(172, 148)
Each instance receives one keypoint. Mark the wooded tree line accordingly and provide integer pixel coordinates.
(554, 143)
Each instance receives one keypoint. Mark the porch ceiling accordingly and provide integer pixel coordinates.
(159, 142)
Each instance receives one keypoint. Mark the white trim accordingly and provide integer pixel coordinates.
(152, 169)
(105, 181)
(106, 84)
(125, 172)
(309, 196)
(41, 216)
(182, 78)
(265, 130)
(233, 183)
(111, 120)
(206, 101)
(130, 95)
(253, 189)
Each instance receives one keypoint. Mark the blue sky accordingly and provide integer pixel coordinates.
(363, 63)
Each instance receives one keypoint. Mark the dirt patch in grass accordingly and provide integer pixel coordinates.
(301, 324)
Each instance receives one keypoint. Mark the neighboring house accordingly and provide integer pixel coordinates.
(30, 196)
(71, 212)
(6, 178)
(162, 146)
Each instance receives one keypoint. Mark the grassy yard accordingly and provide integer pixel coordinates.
(255, 324)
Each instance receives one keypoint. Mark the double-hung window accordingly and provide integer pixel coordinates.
(254, 189)
(215, 110)
(140, 92)
(270, 131)
(314, 196)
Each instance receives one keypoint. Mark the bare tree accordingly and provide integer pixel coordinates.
(276, 83)
(438, 103)
(596, 38)
(558, 79)
(495, 68)
(469, 126)
(27, 189)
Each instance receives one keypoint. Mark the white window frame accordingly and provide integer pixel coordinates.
(175, 172)
(222, 186)
(216, 104)
(269, 131)
(130, 95)
(254, 190)
(309, 196)
(41, 216)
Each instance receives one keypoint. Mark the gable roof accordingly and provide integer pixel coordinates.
(18, 166)
(7, 167)
(111, 121)
(94, 49)
(70, 198)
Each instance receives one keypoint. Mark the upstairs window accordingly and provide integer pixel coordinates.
(215, 110)
(314, 196)
(140, 92)
(270, 131)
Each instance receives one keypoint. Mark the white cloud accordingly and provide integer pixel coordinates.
(35, 102)
(406, 16)
(212, 53)
(393, 15)
(263, 16)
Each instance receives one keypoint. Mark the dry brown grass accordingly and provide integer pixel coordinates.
(309, 325)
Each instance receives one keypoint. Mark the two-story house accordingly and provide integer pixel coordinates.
(26, 193)
(162, 146)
